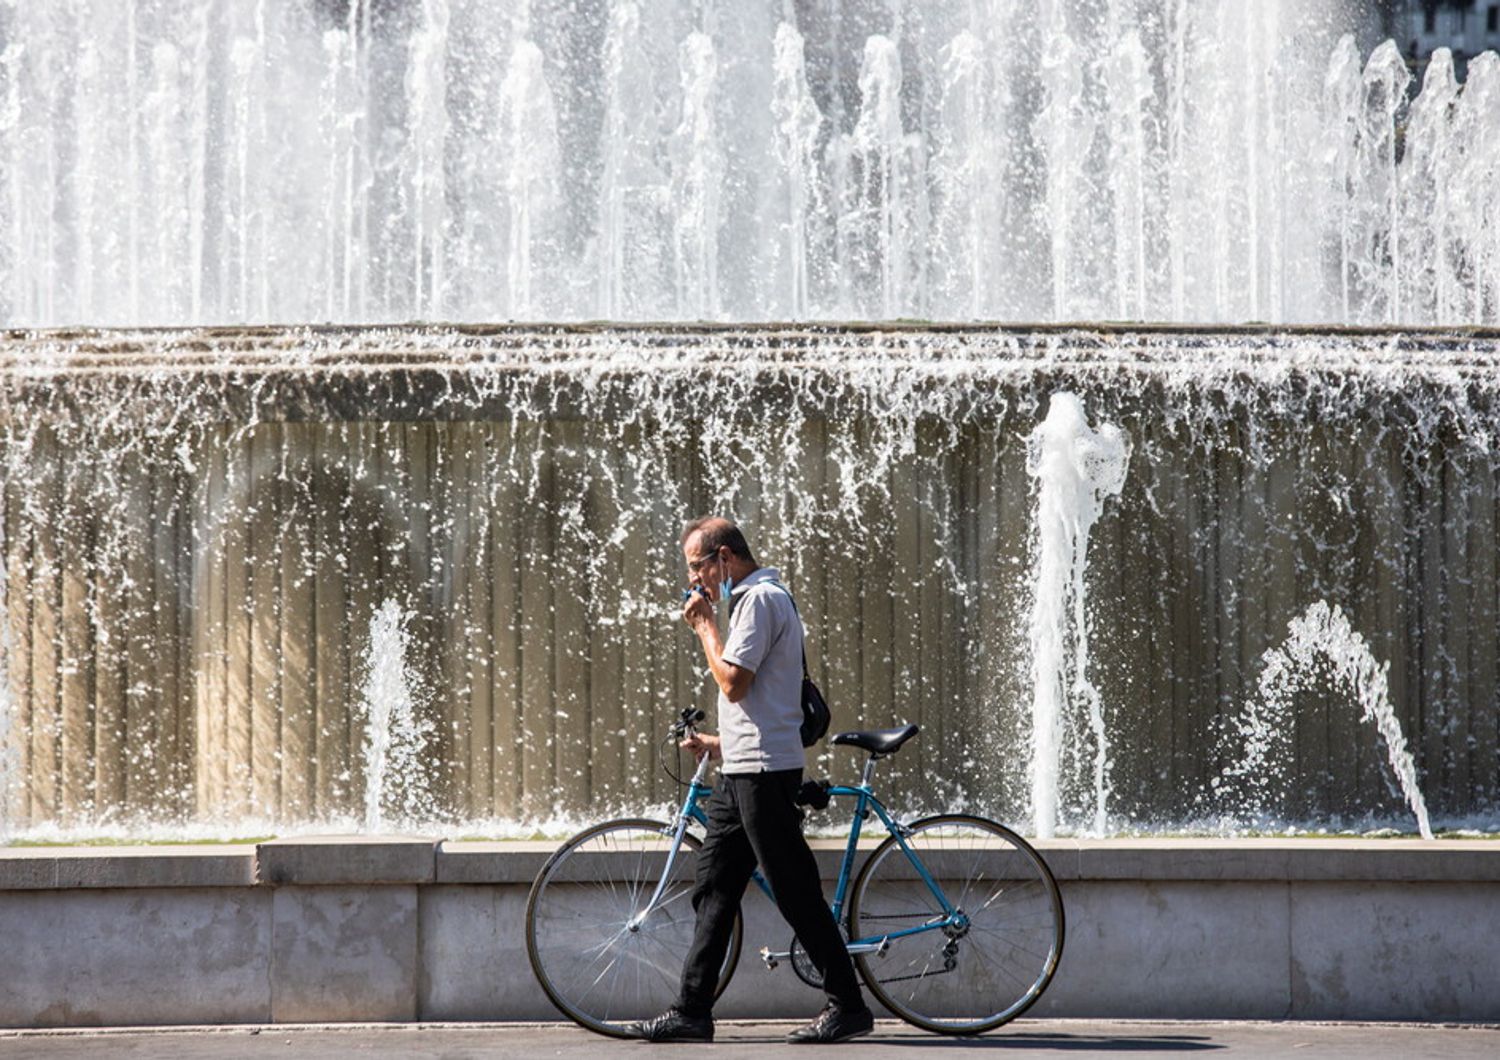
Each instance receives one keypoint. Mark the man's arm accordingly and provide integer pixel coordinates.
(734, 681)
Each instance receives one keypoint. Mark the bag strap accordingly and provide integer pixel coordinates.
(734, 602)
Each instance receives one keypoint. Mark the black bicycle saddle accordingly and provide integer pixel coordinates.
(878, 741)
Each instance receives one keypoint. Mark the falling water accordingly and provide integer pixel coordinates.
(200, 523)
(9, 774)
(396, 730)
(797, 127)
(1076, 468)
(697, 164)
(1320, 639)
(300, 161)
(529, 148)
(199, 526)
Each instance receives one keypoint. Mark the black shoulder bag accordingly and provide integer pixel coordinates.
(816, 716)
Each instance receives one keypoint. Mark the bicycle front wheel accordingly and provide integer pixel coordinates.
(603, 970)
(983, 964)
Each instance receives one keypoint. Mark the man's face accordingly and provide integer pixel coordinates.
(703, 568)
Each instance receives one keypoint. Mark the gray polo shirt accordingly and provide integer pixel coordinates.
(763, 731)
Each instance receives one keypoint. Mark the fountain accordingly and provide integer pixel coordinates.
(396, 732)
(205, 503)
(815, 159)
(1076, 468)
(1321, 634)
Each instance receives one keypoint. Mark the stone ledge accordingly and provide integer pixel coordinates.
(1374, 860)
(60, 868)
(496, 862)
(346, 860)
(375, 860)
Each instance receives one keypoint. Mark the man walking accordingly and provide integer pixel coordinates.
(753, 818)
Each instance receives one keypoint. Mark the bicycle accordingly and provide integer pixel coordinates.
(954, 922)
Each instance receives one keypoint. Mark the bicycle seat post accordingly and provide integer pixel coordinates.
(869, 773)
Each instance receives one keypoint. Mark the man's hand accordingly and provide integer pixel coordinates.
(698, 609)
(700, 744)
(733, 681)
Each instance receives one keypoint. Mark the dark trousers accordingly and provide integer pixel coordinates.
(753, 819)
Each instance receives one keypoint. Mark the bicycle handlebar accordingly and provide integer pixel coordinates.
(685, 722)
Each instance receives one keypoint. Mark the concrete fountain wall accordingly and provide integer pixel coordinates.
(380, 928)
(199, 524)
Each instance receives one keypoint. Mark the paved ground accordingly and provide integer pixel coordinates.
(1028, 1038)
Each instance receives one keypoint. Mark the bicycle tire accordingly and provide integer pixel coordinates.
(630, 976)
(1005, 957)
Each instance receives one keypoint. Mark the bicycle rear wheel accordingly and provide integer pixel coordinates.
(994, 960)
(595, 968)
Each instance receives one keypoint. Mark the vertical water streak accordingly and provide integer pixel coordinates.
(1178, 180)
(1250, 134)
(396, 734)
(244, 272)
(87, 94)
(1076, 468)
(1059, 128)
(132, 164)
(532, 163)
(168, 171)
(1383, 86)
(426, 90)
(628, 215)
(1476, 178)
(798, 123)
(1341, 105)
(964, 176)
(10, 775)
(1272, 187)
(197, 119)
(334, 121)
(879, 150)
(1428, 188)
(358, 171)
(1129, 88)
(1221, 183)
(697, 176)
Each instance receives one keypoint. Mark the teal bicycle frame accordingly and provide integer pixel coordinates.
(865, 800)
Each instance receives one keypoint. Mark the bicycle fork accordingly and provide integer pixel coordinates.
(680, 829)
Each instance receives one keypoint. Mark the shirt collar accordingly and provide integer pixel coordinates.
(754, 578)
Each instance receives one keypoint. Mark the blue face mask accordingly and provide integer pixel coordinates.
(725, 587)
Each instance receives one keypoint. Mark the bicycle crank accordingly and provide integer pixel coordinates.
(772, 959)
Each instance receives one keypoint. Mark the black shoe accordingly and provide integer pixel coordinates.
(834, 1025)
(674, 1026)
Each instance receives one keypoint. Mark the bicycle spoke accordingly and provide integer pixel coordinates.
(988, 963)
(596, 969)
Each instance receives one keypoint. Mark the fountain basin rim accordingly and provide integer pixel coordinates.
(393, 860)
(945, 350)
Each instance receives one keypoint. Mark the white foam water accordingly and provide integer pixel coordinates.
(1076, 467)
(397, 787)
(1322, 636)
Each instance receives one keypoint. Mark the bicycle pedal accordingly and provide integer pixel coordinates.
(773, 960)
